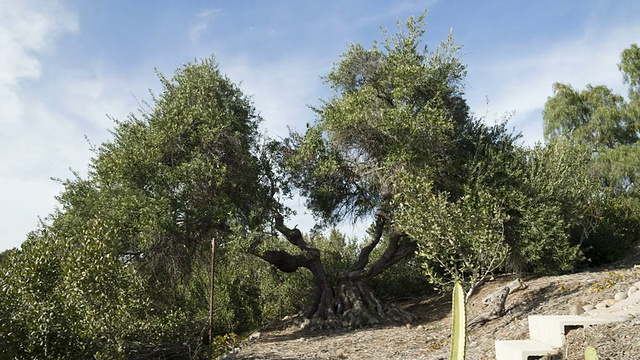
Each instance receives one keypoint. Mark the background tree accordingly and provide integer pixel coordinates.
(131, 241)
(595, 115)
(518, 209)
(610, 125)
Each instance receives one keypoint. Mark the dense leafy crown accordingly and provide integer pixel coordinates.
(395, 106)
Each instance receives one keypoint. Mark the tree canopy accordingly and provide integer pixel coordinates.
(396, 105)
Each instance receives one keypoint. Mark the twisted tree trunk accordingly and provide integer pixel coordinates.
(352, 302)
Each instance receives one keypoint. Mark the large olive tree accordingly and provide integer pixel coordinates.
(396, 108)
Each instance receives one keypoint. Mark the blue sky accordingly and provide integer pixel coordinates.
(65, 65)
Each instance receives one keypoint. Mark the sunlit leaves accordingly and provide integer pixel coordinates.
(394, 106)
(595, 115)
(609, 124)
(630, 67)
(461, 240)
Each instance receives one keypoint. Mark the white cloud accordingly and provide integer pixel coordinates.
(36, 147)
(49, 139)
(522, 82)
(281, 90)
(93, 98)
(45, 117)
(28, 31)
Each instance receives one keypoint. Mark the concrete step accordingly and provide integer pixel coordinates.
(522, 349)
(551, 329)
(547, 332)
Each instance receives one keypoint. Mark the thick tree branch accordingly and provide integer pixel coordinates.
(284, 261)
(396, 251)
(294, 236)
(322, 303)
(279, 258)
(363, 258)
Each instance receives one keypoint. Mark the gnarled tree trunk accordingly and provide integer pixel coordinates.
(352, 302)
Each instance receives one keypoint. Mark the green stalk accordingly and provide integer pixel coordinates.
(458, 330)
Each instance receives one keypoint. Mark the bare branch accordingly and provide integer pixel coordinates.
(294, 236)
(284, 261)
(363, 258)
(395, 252)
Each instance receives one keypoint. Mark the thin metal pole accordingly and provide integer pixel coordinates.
(213, 262)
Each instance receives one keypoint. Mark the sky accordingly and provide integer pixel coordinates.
(68, 68)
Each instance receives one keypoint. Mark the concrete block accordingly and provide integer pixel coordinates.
(551, 329)
(522, 349)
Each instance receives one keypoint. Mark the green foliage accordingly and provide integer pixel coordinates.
(595, 115)
(338, 252)
(630, 68)
(615, 231)
(122, 268)
(459, 324)
(69, 298)
(608, 124)
(403, 280)
(521, 209)
(555, 210)
(618, 170)
(459, 241)
(395, 106)
(250, 293)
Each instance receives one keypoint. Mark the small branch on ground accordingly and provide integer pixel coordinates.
(495, 303)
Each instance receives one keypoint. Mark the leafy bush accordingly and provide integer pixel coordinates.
(459, 241)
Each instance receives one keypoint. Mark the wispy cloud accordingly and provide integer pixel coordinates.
(28, 31)
(201, 22)
(522, 81)
(45, 116)
(281, 90)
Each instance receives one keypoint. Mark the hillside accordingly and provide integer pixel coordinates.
(428, 337)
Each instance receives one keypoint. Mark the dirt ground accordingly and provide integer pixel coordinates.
(428, 337)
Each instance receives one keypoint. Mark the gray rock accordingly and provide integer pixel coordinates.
(588, 307)
(620, 296)
(576, 309)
